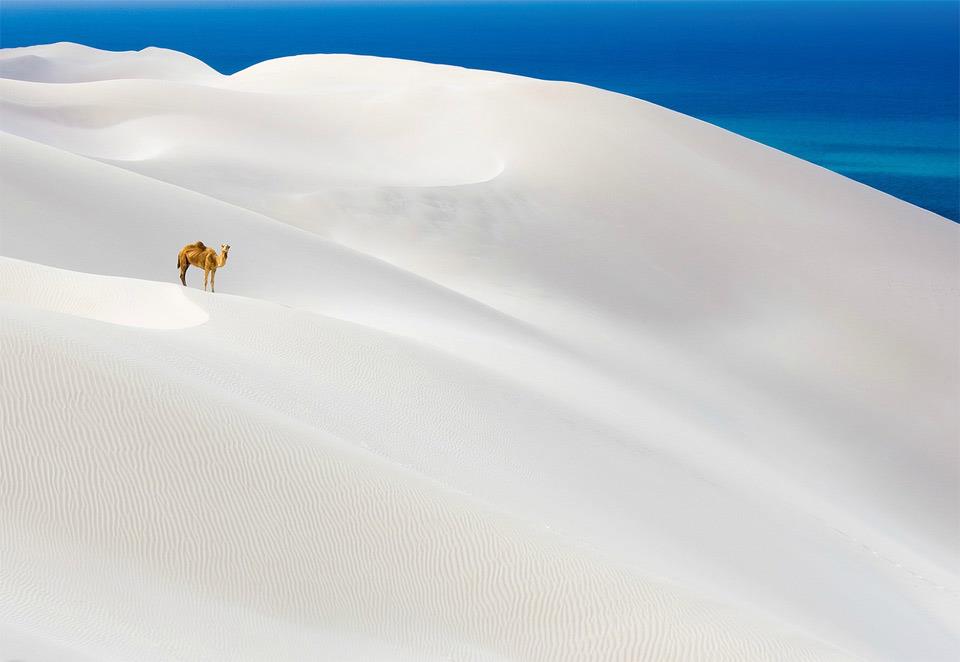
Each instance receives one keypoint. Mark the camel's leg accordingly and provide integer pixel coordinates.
(183, 273)
(206, 275)
(213, 280)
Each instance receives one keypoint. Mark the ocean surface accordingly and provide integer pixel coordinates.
(866, 88)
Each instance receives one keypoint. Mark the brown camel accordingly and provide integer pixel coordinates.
(203, 258)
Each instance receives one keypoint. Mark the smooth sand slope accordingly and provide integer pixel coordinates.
(498, 369)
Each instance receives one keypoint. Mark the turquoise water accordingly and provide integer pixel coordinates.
(868, 89)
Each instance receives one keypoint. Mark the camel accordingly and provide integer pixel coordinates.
(203, 258)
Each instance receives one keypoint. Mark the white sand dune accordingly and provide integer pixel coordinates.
(499, 369)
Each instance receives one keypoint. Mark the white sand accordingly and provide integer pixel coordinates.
(499, 369)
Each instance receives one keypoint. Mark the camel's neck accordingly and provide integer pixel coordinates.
(221, 259)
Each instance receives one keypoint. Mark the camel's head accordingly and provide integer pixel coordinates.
(224, 248)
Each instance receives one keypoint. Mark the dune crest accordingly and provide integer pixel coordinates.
(149, 306)
(500, 369)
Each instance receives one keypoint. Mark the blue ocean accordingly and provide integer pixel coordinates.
(867, 89)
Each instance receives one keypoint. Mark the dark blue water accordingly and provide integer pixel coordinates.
(868, 89)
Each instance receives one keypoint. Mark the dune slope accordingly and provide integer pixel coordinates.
(498, 369)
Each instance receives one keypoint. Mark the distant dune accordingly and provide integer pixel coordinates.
(498, 369)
